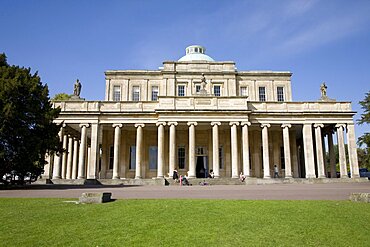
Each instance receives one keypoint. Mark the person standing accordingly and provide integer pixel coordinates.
(276, 172)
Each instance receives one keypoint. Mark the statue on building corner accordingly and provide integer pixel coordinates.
(323, 88)
(77, 88)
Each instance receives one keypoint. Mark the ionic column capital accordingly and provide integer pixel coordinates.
(341, 125)
(215, 123)
(192, 123)
(245, 123)
(318, 125)
(172, 123)
(160, 123)
(86, 125)
(139, 125)
(234, 123)
(119, 125)
(267, 125)
(286, 125)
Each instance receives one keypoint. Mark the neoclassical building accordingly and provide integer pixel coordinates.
(197, 115)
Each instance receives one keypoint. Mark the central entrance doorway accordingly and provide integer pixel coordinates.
(201, 170)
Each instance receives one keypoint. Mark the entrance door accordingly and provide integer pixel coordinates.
(202, 167)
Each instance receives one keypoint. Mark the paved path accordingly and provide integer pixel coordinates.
(335, 191)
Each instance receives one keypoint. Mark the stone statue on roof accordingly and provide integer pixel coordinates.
(77, 88)
(323, 88)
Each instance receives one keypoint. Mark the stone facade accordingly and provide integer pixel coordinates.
(201, 115)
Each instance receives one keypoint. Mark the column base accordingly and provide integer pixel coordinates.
(138, 177)
(266, 177)
(116, 177)
(82, 177)
(57, 177)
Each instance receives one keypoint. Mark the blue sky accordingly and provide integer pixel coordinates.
(316, 40)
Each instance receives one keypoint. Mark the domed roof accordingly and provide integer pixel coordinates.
(195, 53)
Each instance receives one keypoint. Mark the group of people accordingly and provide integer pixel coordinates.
(184, 181)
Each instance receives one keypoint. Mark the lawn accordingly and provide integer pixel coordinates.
(52, 222)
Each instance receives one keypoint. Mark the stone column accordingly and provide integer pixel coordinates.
(333, 168)
(93, 165)
(64, 156)
(286, 143)
(245, 141)
(319, 152)
(117, 148)
(341, 149)
(82, 152)
(160, 156)
(139, 147)
(352, 150)
(69, 158)
(172, 147)
(57, 168)
(293, 148)
(192, 149)
(234, 150)
(256, 154)
(265, 150)
(215, 149)
(75, 159)
(308, 151)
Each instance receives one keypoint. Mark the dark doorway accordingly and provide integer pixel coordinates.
(202, 167)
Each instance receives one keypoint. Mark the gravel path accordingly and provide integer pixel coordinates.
(335, 191)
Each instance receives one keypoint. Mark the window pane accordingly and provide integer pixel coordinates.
(282, 158)
(217, 90)
(262, 93)
(135, 93)
(117, 93)
(243, 91)
(197, 88)
(181, 90)
(181, 157)
(132, 158)
(280, 93)
(154, 93)
(221, 157)
(111, 157)
(153, 157)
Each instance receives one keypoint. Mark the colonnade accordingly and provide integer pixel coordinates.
(81, 162)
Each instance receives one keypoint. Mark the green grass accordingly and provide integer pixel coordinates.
(52, 222)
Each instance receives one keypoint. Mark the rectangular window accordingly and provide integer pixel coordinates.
(243, 91)
(282, 158)
(180, 90)
(221, 157)
(181, 157)
(111, 157)
(262, 93)
(217, 90)
(154, 93)
(280, 93)
(135, 93)
(117, 93)
(132, 158)
(153, 157)
(197, 88)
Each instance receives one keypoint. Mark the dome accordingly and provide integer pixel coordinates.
(195, 53)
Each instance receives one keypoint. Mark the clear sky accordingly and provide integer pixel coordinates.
(317, 41)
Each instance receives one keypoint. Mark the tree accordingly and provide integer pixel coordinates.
(364, 140)
(62, 96)
(27, 130)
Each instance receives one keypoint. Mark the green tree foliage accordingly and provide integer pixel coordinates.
(27, 130)
(364, 140)
(61, 97)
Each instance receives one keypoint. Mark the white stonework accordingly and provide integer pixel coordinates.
(196, 115)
